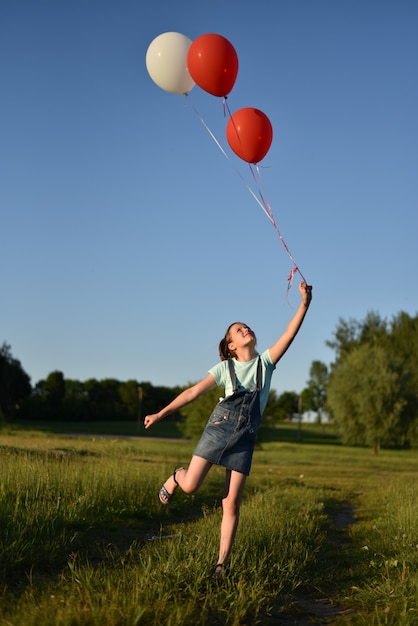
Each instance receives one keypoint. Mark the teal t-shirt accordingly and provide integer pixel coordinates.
(246, 372)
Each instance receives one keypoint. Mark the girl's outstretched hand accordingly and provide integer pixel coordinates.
(151, 419)
(306, 293)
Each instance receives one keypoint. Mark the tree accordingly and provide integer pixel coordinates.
(369, 396)
(352, 333)
(315, 396)
(104, 402)
(197, 413)
(75, 402)
(54, 389)
(48, 401)
(403, 341)
(283, 407)
(130, 398)
(15, 384)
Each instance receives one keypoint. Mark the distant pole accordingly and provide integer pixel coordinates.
(300, 418)
(140, 397)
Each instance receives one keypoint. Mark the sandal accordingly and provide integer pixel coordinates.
(163, 493)
(219, 571)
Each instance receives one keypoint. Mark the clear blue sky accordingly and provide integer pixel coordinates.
(129, 242)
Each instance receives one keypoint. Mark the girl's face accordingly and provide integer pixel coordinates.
(240, 336)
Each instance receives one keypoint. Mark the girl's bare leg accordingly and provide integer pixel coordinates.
(231, 502)
(191, 478)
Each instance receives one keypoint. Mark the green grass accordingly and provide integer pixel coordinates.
(283, 431)
(85, 541)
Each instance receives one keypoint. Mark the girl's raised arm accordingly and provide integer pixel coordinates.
(279, 348)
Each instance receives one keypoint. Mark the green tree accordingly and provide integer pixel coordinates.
(352, 333)
(155, 398)
(368, 394)
(104, 402)
(54, 388)
(314, 396)
(282, 407)
(49, 397)
(75, 401)
(130, 397)
(270, 414)
(197, 413)
(15, 384)
(403, 341)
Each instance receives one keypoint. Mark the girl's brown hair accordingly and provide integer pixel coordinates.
(224, 352)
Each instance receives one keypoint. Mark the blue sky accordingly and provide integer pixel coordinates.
(129, 242)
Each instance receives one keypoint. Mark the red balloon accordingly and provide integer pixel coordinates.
(249, 133)
(213, 64)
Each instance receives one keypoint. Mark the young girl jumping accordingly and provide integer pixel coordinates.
(230, 433)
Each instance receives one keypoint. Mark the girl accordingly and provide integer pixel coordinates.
(229, 436)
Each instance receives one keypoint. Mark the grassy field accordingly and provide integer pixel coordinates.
(328, 534)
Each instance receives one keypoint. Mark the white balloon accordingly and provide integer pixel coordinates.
(166, 62)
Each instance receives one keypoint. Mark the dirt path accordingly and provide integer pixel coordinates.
(321, 610)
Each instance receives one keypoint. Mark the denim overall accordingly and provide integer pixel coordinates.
(230, 433)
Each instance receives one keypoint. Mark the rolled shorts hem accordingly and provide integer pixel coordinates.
(227, 466)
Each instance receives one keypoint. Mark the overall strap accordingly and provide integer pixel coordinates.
(232, 375)
(259, 375)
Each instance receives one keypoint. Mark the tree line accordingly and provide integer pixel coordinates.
(370, 390)
(64, 399)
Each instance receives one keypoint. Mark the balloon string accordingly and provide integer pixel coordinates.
(266, 204)
(225, 106)
(227, 157)
(269, 211)
(263, 204)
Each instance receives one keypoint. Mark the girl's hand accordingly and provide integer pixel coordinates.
(151, 419)
(306, 293)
